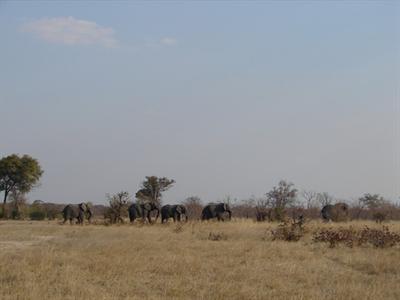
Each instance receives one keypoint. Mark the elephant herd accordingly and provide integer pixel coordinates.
(143, 211)
(178, 212)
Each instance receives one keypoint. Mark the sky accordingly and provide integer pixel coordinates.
(226, 98)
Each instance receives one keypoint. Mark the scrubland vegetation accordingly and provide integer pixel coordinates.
(275, 247)
(240, 259)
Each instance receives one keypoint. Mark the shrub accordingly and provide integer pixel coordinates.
(379, 238)
(178, 228)
(217, 236)
(379, 217)
(346, 236)
(291, 232)
(37, 215)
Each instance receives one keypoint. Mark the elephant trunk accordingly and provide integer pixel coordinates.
(230, 214)
(158, 213)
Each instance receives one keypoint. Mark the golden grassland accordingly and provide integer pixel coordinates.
(45, 260)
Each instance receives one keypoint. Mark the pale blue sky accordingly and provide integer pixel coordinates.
(227, 98)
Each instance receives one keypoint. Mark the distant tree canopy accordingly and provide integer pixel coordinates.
(152, 188)
(372, 201)
(19, 174)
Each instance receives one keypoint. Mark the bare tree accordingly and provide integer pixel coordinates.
(310, 198)
(118, 207)
(263, 210)
(280, 197)
(194, 207)
(324, 199)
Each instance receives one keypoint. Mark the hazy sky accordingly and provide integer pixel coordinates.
(227, 98)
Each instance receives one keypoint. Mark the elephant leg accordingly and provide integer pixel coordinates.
(219, 217)
(147, 216)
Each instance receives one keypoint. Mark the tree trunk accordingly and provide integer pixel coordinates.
(4, 205)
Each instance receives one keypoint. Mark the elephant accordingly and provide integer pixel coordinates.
(336, 212)
(142, 210)
(215, 210)
(79, 212)
(173, 211)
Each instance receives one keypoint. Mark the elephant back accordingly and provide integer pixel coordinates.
(70, 211)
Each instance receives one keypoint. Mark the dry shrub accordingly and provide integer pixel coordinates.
(379, 238)
(334, 237)
(379, 217)
(178, 228)
(289, 231)
(217, 236)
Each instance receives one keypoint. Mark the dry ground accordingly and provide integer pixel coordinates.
(44, 260)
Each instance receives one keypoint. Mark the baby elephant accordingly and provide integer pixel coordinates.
(173, 211)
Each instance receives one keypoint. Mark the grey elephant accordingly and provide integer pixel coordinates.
(142, 210)
(173, 211)
(336, 212)
(215, 210)
(78, 212)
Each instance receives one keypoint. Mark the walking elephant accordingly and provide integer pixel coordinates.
(142, 210)
(78, 212)
(215, 210)
(336, 212)
(173, 211)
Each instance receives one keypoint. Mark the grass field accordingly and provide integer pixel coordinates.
(45, 260)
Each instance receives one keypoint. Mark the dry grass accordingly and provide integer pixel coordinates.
(41, 260)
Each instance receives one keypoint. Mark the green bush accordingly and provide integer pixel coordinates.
(37, 215)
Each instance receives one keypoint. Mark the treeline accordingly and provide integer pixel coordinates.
(19, 174)
(367, 207)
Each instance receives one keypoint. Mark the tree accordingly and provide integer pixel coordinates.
(372, 201)
(118, 206)
(18, 204)
(263, 209)
(18, 174)
(152, 188)
(280, 197)
(324, 199)
(193, 206)
(310, 197)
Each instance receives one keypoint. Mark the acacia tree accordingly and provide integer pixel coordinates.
(280, 197)
(152, 188)
(19, 174)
